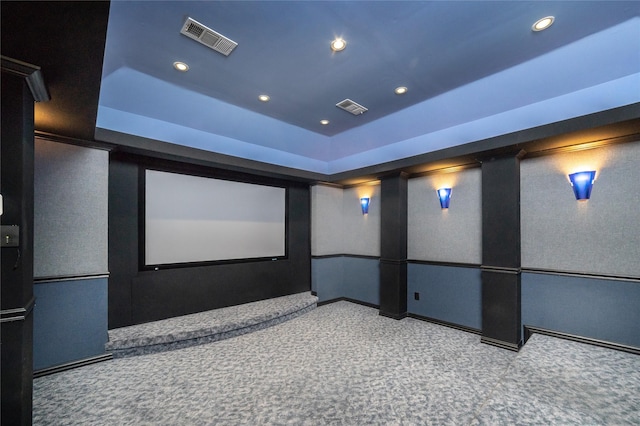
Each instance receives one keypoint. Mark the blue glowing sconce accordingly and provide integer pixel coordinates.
(582, 182)
(444, 194)
(364, 203)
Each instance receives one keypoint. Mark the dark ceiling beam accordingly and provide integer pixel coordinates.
(66, 39)
(31, 73)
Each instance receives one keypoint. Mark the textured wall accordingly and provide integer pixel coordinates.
(452, 235)
(600, 236)
(338, 225)
(70, 321)
(361, 233)
(595, 308)
(447, 293)
(344, 276)
(326, 220)
(70, 229)
(361, 279)
(327, 278)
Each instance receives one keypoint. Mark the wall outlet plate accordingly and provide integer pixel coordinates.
(9, 236)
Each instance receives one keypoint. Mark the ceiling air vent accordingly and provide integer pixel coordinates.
(216, 41)
(352, 107)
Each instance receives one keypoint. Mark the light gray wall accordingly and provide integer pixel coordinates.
(599, 236)
(326, 220)
(338, 225)
(452, 235)
(70, 229)
(361, 233)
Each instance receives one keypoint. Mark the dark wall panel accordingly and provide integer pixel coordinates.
(16, 298)
(501, 212)
(393, 246)
(123, 238)
(501, 308)
(501, 251)
(137, 296)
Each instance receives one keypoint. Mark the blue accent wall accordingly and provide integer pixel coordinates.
(70, 321)
(344, 276)
(362, 279)
(596, 308)
(447, 293)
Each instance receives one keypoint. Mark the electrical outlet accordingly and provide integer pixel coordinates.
(416, 295)
(10, 236)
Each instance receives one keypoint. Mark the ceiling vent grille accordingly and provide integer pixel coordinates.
(202, 34)
(352, 107)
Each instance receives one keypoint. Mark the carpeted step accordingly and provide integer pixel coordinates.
(208, 326)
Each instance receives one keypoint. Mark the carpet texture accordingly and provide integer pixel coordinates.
(343, 364)
(205, 327)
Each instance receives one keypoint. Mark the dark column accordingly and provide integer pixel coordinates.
(393, 246)
(501, 251)
(16, 185)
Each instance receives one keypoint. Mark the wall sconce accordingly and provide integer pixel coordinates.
(444, 194)
(364, 203)
(582, 182)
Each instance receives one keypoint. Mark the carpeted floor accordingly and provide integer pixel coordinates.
(343, 364)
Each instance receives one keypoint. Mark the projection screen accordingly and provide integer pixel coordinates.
(192, 219)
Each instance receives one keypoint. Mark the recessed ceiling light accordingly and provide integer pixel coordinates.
(400, 90)
(543, 24)
(181, 66)
(264, 98)
(338, 44)
(324, 122)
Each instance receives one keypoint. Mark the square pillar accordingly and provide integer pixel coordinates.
(393, 246)
(501, 304)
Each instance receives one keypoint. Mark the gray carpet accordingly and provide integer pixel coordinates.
(343, 364)
(206, 327)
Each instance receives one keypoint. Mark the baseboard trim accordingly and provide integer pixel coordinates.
(348, 299)
(400, 316)
(71, 365)
(447, 264)
(355, 256)
(500, 343)
(445, 323)
(529, 330)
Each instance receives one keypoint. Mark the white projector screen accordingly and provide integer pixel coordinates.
(196, 219)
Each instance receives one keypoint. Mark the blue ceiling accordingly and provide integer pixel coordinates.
(473, 69)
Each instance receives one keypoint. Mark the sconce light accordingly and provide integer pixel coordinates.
(364, 203)
(444, 194)
(582, 182)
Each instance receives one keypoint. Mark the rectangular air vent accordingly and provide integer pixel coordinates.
(202, 34)
(352, 107)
